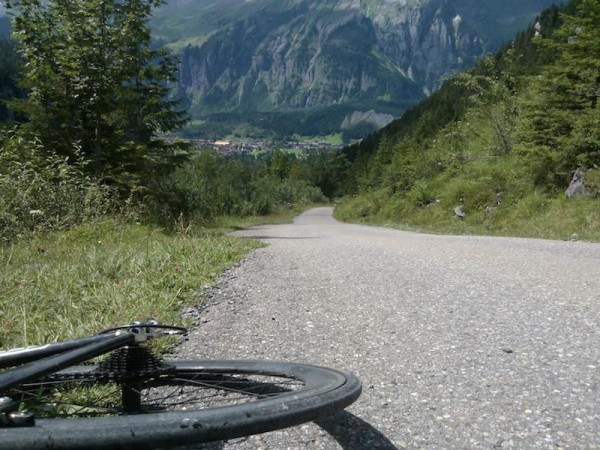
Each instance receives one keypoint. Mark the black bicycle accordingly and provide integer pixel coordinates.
(52, 396)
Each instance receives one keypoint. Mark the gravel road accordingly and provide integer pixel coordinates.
(461, 342)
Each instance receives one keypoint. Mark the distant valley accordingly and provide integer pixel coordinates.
(290, 68)
(338, 69)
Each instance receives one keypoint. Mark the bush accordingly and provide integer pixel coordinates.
(208, 185)
(42, 192)
(295, 192)
(364, 206)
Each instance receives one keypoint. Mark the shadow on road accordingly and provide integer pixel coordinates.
(349, 431)
(353, 433)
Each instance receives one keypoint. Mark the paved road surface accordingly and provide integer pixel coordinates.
(461, 342)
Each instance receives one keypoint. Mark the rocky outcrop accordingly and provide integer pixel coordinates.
(294, 59)
(371, 117)
(577, 187)
(428, 41)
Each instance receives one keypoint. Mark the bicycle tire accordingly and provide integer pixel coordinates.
(320, 392)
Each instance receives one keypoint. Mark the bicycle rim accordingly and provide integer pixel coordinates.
(196, 401)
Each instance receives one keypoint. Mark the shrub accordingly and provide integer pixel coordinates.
(43, 191)
(208, 185)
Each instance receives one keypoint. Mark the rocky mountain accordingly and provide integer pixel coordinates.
(309, 67)
(352, 58)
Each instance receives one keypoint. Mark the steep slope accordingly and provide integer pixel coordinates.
(303, 55)
(500, 149)
(295, 58)
(498, 22)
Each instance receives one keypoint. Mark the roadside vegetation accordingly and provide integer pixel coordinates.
(496, 148)
(105, 218)
(93, 276)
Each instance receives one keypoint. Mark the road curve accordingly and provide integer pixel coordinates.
(461, 342)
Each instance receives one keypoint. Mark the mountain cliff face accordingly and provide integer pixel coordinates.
(349, 58)
(426, 41)
(297, 58)
(306, 54)
(240, 56)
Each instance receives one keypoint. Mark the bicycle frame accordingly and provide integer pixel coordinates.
(162, 403)
(36, 362)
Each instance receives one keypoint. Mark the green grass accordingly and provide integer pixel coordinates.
(69, 284)
(333, 139)
(63, 285)
(536, 215)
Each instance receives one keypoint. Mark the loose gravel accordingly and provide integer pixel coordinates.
(461, 342)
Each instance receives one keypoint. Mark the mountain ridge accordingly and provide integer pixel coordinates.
(332, 60)
(290, 56)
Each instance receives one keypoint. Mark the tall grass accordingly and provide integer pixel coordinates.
(472, 163)
(536, 215)
(41, 191)
(73, 283)
(70, 265)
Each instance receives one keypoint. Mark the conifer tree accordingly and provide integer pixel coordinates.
(560, 131)
(94, 82)
(8, 75)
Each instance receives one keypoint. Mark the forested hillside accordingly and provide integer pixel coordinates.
(498, 146)
(285, 68)
(493, 150)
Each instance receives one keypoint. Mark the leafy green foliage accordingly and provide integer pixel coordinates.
(501, 141)
(209, 185)
(94, 82)
(42, 191)
(326, 171)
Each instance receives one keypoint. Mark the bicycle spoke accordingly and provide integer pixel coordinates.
(198, 389)
(227, 397)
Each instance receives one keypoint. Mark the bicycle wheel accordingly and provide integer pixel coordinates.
(193, 402)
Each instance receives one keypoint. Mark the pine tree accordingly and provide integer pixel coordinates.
(560, 130)
(95, 82)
